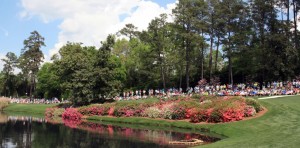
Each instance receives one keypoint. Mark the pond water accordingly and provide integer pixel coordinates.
(27, 132)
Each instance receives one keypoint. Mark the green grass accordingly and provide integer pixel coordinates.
(279, 127)
(27, 109)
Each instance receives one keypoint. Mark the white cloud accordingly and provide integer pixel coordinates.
(90, 21)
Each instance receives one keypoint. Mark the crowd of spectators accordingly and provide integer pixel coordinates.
(241, 89)
(35, 101)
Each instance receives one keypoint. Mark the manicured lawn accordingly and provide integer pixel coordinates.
(36, 109)
(279, 127)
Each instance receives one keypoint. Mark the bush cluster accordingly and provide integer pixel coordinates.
(3, 103)
(54, 112)
(212, 109)
(71, 114)
(254, 103)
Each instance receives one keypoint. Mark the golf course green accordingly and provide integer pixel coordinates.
(279, 127)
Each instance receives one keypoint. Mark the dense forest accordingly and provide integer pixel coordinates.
(231, 41)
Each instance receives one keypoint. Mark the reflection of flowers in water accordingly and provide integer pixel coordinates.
(160, 137)
(72, 123)
(53, 120)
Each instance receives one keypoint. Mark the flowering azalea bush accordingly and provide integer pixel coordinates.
(152, 112)
(226, 109)
(249, 111)
(94, 110)
(255, 104)
(232, 114)
(178, 112)
(71, 114)
(167, 111)
(128, 111)
(49, 112)
(111, 111)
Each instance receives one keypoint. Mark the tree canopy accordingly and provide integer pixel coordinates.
(237, 41)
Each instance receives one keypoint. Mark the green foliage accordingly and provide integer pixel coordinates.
(31, 58)
(8, 79)
(254, 103)
(49, 82)
(152, 112)
(75, 71)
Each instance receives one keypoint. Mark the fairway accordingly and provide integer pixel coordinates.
(28, 109)
(279, 127)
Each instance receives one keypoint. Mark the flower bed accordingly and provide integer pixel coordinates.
(211, 110)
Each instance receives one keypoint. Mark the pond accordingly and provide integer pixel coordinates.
(26, 132)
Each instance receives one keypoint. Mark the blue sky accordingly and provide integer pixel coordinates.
(14, 29)
(20, 17)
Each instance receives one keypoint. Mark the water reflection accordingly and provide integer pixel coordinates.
(36, 132)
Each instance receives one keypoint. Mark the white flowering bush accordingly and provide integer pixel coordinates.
(152, 112)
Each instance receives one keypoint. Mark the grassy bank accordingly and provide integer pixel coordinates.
(27, 109)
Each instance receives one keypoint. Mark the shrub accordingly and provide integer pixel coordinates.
(3, 103)
(49, 112)
(198, 115)
(232, 114)
(131, 108)
(111, 111)
(255, 104)
(179, 112)
(249, 111)
(58, 112)
(167, 111)
(129, 113)
(152, 112)
(54, 112)
(215, 117)
(218, 110)
(94, 110)
(71, 114)
(210, 109)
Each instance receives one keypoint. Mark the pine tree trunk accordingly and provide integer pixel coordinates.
(210, 56)
(217, 54)
(295, 25)
(187, 69)
(202, 58)
(229, 60)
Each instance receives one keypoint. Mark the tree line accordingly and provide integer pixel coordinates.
(228, 40)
